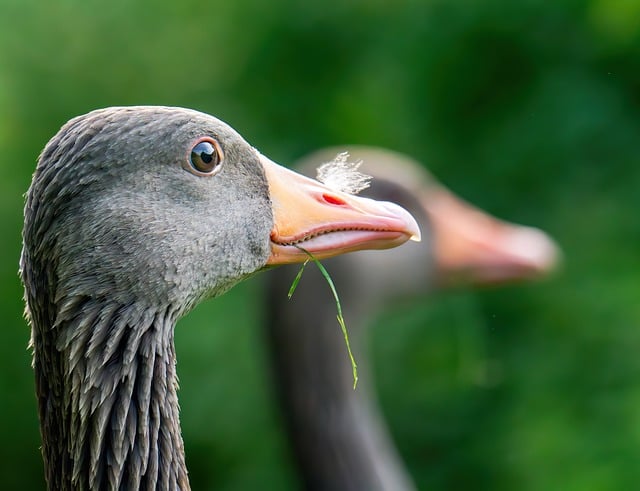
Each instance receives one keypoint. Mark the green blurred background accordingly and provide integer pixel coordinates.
(528, 109)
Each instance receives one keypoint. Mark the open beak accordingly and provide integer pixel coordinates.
(309, 215)
(474, 247)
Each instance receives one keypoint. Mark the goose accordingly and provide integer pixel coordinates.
(338, 436)
(135, 215)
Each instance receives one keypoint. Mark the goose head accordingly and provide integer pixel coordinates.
(134, 215)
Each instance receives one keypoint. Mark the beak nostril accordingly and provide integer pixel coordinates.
(333, 200)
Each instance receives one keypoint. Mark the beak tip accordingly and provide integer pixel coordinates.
(536, 249)
(410, 225)
(413, 228)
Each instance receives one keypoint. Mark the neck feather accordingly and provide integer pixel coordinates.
(107, 390)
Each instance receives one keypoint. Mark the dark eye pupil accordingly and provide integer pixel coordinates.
(204, 157)
(204, 151)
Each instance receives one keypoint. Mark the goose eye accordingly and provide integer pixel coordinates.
(205, 158)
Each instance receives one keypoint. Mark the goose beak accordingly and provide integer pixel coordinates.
(307, 214)
(474, 247)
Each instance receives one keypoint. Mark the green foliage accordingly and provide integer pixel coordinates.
(528, 109)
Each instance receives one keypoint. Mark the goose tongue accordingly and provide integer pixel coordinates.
(325, 222)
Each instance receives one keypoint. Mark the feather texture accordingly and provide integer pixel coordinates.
(341, 175)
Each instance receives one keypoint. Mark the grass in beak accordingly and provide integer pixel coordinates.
(343, 326)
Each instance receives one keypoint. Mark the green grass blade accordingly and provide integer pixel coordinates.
(343, 326)
(294, 285)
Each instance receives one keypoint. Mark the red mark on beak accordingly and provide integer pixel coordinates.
(333, 200)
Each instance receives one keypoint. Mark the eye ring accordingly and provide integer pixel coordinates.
(205, 157)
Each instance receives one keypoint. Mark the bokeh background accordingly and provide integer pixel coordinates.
(529, 109)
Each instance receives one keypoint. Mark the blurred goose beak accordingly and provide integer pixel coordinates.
(475, 247)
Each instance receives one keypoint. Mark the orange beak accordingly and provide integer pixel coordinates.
(474, 247)
(326, 222)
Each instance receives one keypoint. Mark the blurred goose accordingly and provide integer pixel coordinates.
(134, 215)
(338, 436)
